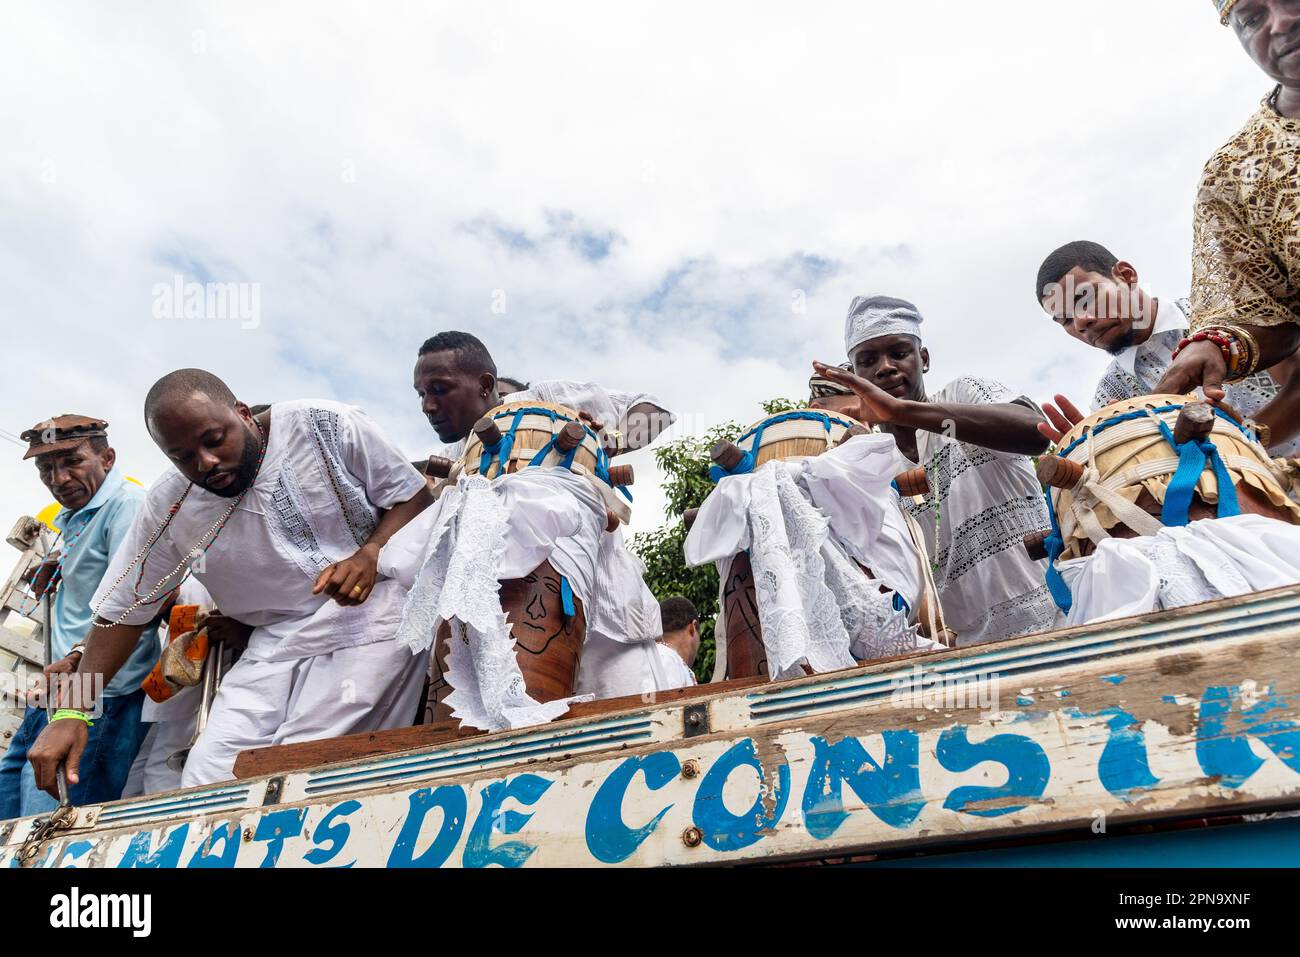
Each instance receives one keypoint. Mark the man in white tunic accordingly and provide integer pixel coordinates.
(974, 438)
(280, 516)
(456, 380)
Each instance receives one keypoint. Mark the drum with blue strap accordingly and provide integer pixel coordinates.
(1148, 462)
(520, 435)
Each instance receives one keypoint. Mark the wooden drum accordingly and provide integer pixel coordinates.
(548, 643)
(1135, 463)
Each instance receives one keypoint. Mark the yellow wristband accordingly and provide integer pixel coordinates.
(73, 714)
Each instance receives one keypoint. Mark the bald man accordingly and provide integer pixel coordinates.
(280, 516)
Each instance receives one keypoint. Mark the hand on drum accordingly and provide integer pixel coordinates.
(1199, 364)
(1061, 418)
(878, 406)
(350, 581)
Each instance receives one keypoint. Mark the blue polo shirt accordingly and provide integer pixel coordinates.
(90, 536)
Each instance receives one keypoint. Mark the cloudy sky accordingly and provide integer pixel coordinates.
(679, 198)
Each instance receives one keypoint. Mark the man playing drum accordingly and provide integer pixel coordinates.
(1160, 502)
(280, 516)
(816, 565)
(973, 438)
(566, 525)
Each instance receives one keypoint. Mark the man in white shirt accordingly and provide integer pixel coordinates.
(974, 438)
(1096, 298)
(280, 517)
(680, 643)
(455, 378)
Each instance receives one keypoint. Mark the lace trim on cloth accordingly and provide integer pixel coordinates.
(357, 510)
(814, 604)
(458, 583)
(291, 526)
(1026, 614)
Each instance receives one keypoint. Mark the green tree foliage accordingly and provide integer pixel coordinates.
(685, 464)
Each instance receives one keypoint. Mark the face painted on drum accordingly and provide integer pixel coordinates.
(896, 364)
(541, 613)
(452, 398)
(213, 445)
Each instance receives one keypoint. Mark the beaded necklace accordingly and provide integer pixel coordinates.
(200, 548)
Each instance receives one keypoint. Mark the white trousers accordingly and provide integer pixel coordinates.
(365, 688)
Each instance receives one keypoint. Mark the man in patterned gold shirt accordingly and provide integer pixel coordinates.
(1246, 255)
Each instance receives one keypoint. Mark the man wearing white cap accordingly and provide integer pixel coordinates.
(974, 438)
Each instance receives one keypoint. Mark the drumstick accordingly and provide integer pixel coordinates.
(726, 454)
(487, 431)
(570, 437)
(913, 482)
(438, 467)
(1195, 421)
(1036, 545)
(1056, 472)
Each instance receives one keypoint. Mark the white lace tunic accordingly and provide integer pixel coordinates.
(986, 502)
(327, 472)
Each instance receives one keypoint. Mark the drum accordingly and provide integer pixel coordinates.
(789, 436)
(1156, 460)
(795, 435)
(548, 641)
(519, 435)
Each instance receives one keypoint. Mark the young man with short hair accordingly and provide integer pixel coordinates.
(1096, 298)
(974, 438)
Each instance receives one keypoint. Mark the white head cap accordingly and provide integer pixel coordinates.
(871, 317)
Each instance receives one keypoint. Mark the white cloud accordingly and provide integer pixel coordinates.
(678, 170)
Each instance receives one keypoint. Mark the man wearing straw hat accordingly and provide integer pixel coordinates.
(1245, 255)
(974, 438)
(79, 467)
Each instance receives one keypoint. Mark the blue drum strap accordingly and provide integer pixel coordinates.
(746, 465)
(566, 597)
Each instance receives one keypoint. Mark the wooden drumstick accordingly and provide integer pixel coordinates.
(487, 431)
(1036, 545)
(1195, 421)
(570, 437)
(851, 431)
(689, 516)
(438, 467)
(1056, 472)
(726, 454)
(621, 475)
(913, 482)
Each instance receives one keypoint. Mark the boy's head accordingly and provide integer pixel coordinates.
(1093, 295)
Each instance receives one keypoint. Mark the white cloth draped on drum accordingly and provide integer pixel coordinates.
(816, 606)
(1201, 561)
(453, 556)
